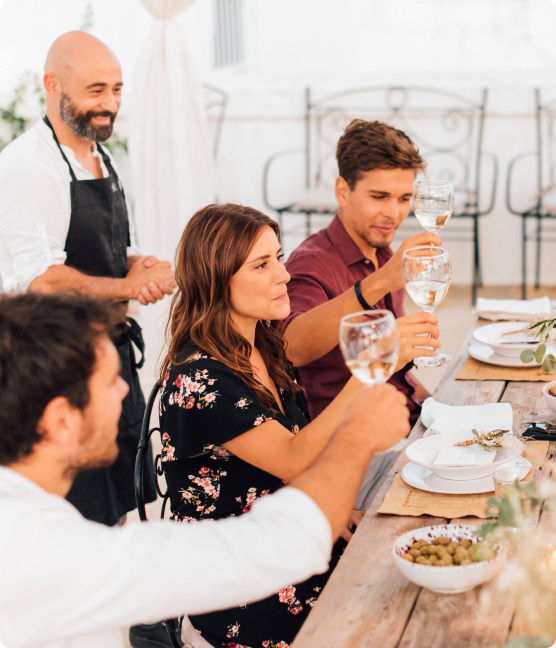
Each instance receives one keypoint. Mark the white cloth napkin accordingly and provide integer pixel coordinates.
(440, 418)
(526, 310)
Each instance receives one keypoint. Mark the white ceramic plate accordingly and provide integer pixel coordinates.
(446, 580)
(497, 336)
(423, 453)
(426, 480)
(484, 353)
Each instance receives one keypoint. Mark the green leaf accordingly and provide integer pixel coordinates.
(539, 353)
(527, 355)
(510, 509)
(486, 529)
(549, 364)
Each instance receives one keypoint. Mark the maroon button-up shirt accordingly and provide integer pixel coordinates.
(324, 266)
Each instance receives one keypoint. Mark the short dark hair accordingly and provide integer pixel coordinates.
(368, 145)
(47, 350)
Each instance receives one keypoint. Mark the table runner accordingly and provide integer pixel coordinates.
(402, 499)
(474, 370)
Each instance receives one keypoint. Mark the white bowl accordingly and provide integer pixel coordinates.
(446, 580)
(423, 453)
(495, 335)
(550, 400)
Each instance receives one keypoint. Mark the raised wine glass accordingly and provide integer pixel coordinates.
(433, 203)
(370, 342)
(427, 274)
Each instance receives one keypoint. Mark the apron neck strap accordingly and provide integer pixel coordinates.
(72, 174)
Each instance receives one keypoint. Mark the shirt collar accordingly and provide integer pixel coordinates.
(346, 247)
(45, 131)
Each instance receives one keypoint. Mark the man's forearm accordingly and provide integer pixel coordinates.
(313, 334)
(333, 480)
(60, 278)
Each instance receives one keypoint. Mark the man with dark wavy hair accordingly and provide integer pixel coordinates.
(67, 582)
(349, 266)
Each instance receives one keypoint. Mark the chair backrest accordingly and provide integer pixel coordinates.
(143, 456)
(545, 109)
(447, 128)
(216, 102)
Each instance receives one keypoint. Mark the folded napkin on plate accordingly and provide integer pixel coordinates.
(526, 310)
(437, 417)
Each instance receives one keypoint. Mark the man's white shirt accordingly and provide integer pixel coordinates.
(35, 206)
(66, 582)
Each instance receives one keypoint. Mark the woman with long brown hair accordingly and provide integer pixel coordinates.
(231, 427)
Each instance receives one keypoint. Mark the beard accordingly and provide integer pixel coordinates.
(99, 449)
(376, 240)
(80, 123)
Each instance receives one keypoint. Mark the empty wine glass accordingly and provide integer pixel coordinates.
(433, 203)
(370, 342)
(427, 274)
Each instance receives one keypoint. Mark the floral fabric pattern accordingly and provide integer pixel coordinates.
(203, 406)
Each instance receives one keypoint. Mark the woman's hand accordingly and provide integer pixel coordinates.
(353, 522)
(412, 340)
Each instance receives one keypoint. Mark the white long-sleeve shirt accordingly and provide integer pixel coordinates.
(66, 582)
(35, 206)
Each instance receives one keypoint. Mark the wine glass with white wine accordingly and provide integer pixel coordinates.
(427, 274)
(370, 342)
(433, 203)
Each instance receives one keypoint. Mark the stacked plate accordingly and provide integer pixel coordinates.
(502, 343)
(468, 472)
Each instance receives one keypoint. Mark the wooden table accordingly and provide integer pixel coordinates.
(368, 604)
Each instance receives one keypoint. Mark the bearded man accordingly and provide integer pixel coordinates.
(64, 226)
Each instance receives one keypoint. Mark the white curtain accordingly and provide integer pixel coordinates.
(170, 152)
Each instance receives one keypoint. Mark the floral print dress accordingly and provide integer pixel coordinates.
(203, 405)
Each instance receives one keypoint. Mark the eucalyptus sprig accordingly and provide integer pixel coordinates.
(547, 362)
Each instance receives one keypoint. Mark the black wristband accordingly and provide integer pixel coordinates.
(360, 297)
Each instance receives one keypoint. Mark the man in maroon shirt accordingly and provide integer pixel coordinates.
(377, 165)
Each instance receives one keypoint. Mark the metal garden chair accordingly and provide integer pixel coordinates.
(447, 127)
(172, 625)
(541, 205)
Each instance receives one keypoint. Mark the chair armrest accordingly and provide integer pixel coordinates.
(509, 182)
(266, 173)
(494, 158)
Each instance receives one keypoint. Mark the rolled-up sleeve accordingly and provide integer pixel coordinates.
(34, 222)
(83, 577)
(307, 288)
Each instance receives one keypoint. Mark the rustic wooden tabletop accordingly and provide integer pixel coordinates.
(368, 604)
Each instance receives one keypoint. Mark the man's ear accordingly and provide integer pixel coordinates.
(51, 83)
(342, 191)
(59, 422)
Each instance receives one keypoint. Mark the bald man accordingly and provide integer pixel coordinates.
(64, 226)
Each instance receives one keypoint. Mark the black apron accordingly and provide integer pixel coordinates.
(96, 245)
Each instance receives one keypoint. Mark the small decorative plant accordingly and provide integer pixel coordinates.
(528, 577)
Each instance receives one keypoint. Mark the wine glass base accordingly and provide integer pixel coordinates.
(435, 361)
